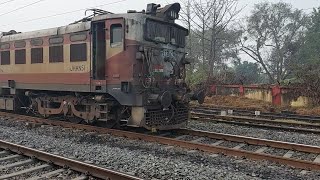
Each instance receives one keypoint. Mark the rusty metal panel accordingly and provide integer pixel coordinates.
(72, 28)
(10, 104)
(2, 103)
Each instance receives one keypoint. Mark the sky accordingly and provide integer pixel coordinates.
(11, 18)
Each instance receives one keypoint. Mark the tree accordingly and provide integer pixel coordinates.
(309, 55)
(246, 73)
(307, 68)
(212, 40)
(272, 38)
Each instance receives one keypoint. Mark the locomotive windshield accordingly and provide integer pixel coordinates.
(165, 33)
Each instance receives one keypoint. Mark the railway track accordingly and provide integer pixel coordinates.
(19, 162)
(266, 115)
(295, 155)
(279, 124)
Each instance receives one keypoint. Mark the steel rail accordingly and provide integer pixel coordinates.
(89, 169)
(253, 141)
(192, 145)
(253, 122)
(270, 115)
(257, 119)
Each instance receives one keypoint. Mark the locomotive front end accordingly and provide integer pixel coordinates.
(163, 57)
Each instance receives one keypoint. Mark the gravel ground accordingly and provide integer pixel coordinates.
(275, 151)
(310, 139)
(252, 148)
(146, 160)
(229, 144)
(304, 156)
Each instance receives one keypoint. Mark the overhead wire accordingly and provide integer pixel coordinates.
(6, 2)
(22, 7)
(68, 12)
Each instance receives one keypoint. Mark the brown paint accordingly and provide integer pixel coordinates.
(121, 66)
(45, 78)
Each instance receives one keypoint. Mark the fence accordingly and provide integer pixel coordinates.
(277, 95)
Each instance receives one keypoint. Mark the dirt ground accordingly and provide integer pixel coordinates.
(252, 104)
(315, 111)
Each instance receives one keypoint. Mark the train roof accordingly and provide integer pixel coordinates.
(153, 11)
(72, 28)
(48, 32)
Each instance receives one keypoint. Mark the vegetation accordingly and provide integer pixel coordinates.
(308, 62)
(272, 38)
(275, 44)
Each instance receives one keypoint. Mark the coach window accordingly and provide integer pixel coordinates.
(56, 54)
(4, 46)
(56, 40)
(78, 37)
(56, 49)
(19, 44)
(5, 57)
(36, 55)
(20, 56)
(36, 42)
(36, 52)
(116, 35)
(78, 52)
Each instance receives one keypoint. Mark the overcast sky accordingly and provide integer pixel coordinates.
(15, 19)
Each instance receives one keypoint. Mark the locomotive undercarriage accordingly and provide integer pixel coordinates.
(79, 109)
(96, 110)
(71, 107)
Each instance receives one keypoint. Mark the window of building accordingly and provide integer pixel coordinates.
(5, 57)
(20, 56)
(78, 37)
(78, 52)
(36, 42)
(116, 35)
(19, 44)
(36, 55)
(56, 54)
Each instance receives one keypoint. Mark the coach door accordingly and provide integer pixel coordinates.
(98, 82)
(116, 64)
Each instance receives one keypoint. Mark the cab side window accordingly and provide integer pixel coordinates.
(116, 35)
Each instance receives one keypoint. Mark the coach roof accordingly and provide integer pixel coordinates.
(47, 32)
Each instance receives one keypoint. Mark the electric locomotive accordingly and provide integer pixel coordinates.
(110, 69)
